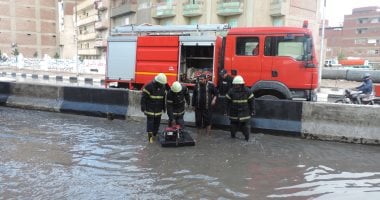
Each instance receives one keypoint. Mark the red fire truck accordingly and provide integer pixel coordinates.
(276, 62)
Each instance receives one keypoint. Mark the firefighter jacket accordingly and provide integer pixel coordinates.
(203, 95)
(225, 85)
(240, 103)
(153, 99)
(176, 102)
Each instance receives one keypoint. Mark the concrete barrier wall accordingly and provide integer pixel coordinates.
(350, 74)
(337, 122)
(341, 122)
(31, 96)
(88, 101)
(95, 101)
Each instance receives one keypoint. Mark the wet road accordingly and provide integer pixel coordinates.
(59, 156)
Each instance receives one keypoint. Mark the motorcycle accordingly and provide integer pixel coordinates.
(351, 97)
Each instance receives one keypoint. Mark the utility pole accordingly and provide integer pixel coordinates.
(322, 47)
(76, 38)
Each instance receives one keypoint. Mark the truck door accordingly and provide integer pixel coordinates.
(246, 53)
(286, 55)
(121, 58)
(157, 54)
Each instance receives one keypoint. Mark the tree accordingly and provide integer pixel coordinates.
(35, 55)
(15, 52)
(56, 56)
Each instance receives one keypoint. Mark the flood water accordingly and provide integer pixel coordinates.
(59, 156)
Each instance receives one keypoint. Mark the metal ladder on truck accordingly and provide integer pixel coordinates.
(179, 29)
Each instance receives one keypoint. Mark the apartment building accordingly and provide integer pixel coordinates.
(233, 12)
(358, 37)
(29, 27)
(91, 28)
(97, 17)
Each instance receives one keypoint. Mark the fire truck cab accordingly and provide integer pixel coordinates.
(276, 62)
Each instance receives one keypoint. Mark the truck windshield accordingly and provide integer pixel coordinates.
(285, 46)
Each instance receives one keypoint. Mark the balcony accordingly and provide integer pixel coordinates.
(87, 36)
(89, 52)
(101, 4)
(124, 9)
(193, 9)
(101, 25)
(278, 8)
(163, 10)
(100, 43)
(87, 20)
(229, 7)
(85, 5)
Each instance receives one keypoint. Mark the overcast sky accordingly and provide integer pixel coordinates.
(336, 9)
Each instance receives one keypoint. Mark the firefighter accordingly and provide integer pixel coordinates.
(225, 82)
(176, 99)
(240, 104)
(153, 103)
(204, 97)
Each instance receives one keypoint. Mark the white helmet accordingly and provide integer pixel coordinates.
(176, 87)
(238, 80)
(161, 78)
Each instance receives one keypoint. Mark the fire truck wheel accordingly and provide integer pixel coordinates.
(268, 97)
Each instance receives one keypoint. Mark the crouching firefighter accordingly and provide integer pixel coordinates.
(176, 99)
(240, 104)
(153, 103)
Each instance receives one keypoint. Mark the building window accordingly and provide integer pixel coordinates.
(193, 21)
(363, 20)
(376, 51)
(166, 22)
(375, 20)
(277, 21)
(233, 22)
(361, 30)
(373, 52)
(360, 41)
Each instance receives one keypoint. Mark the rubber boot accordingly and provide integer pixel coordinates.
(150, 137)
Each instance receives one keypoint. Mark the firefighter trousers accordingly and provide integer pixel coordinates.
(242, 126)
(153, 124)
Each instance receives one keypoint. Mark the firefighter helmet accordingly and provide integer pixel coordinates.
(161, 78)
(238, 80)
(176, 87)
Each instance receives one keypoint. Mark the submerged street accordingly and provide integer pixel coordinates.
(48, 155)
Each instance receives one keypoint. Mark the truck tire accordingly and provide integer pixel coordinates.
(268, 97)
